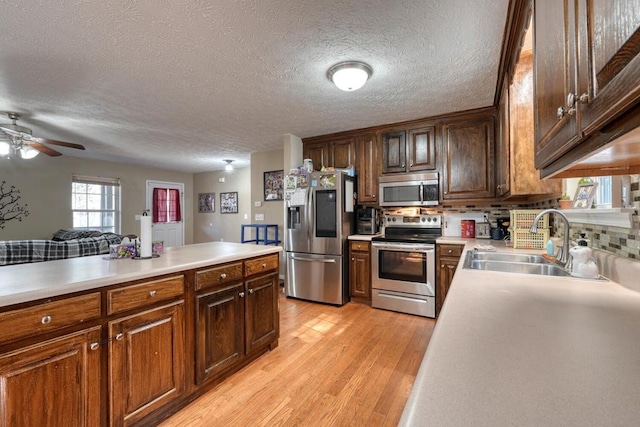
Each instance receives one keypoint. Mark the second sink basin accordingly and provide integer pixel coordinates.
(509, 257)
(547, 269)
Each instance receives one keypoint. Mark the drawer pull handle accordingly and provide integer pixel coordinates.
(250, 290)
(46, 320)
(264, 265)
(223, 276)
(119, 336)
(94, 346)
(241, 294)
(153, 293)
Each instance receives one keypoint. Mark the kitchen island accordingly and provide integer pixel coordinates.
(530, 350)
(127, 342)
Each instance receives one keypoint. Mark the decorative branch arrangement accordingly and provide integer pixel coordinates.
(10, 208)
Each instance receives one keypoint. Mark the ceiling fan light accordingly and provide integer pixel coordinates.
(5, 148)
(349, 76)
(27, 152)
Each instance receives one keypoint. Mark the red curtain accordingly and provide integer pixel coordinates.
(166, 205)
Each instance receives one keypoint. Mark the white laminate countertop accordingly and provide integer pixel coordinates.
(526, 350)
(28, 282)
(364, 237)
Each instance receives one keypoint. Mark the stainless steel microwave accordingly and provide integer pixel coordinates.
(420, 189)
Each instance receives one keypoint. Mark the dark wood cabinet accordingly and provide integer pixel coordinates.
(360, 271)
(447, 258)
(410, 150)
(219, 330)
(146, 362)
(53, 383)
(367, 168)
(468, 159)
(503, 144)
(587, 73)
(261, 312)
(318, 152)
(342, 153)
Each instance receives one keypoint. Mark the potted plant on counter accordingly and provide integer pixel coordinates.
(565, 201)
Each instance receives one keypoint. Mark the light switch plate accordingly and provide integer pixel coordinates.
(257, 204)
(259, 217)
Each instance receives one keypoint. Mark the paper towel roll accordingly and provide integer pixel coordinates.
(146, 240)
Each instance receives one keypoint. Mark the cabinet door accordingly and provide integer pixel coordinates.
(421, 149)
(367, 146)
(609, 57)
(360, 275)
(318, 152)
(469, 160)
(261, 312)
(146, 362)
(53, 383)
(555, 78)
(446, 270)
(343, 153)
(219, 331)
(394, 155)
(503, 161)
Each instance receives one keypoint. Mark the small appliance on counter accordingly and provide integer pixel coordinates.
(483, 230)
(468, 228)
(367, 221)
(502, 230)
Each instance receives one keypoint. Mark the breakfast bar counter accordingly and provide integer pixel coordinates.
(28, 282)
(530, 350)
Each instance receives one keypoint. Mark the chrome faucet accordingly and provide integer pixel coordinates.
(563, 254)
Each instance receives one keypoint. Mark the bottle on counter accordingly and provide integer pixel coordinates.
(550, 247)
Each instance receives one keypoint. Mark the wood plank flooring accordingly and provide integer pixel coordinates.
(334, 366)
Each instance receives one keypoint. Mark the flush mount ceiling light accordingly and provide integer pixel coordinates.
(350, 75)
(228, 166)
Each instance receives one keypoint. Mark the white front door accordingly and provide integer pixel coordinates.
(172, 232)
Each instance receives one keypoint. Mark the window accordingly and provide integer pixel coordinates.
(612, 191)
(95, 202)
(603, 192)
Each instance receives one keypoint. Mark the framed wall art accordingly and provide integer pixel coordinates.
(584, 195)
(274, 185)
(206, 202)
(229, 202)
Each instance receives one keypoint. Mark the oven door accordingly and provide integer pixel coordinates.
(403, 267)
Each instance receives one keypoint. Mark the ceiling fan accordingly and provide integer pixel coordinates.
(22, 141)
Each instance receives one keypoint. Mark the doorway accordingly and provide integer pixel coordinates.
(165, 202)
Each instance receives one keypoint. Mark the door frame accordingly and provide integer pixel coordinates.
(151, 183)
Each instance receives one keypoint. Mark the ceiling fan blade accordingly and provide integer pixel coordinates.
(10, 132)
(43, 148)
(55, 142)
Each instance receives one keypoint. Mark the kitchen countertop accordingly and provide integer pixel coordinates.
(365, 237)
(528, 350)
(28, 282)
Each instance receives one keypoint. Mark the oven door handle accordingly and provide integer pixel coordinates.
(403, 248)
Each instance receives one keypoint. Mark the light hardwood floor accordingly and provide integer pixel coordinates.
(334, 366)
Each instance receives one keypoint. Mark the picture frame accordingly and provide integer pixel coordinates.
(229, 202)
(584, 195)
(206, 202)
(274, 186)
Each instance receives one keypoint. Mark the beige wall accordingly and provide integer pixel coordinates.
(214, 226)
(45, 186)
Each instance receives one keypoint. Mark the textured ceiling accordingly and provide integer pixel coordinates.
(183, 84)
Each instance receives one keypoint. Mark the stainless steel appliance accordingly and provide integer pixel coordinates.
(419, 189)
(403, 264)
(319, 218)
(367, 221)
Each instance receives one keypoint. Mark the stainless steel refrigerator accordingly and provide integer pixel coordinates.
(319, 218)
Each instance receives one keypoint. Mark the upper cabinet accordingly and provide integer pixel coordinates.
(339, 153)
(468, 158)
(410, 150)
(318, 152)
(367, 168)
(587, 80)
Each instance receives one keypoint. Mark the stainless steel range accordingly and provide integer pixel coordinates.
(403, 264)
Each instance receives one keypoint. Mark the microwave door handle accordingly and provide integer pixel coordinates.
(421, 193)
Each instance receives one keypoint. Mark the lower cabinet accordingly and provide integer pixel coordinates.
(447, 258)
(261, 312)
(146, 369)
(53, 383)
(360, 271)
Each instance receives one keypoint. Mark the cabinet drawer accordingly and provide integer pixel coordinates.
(49, 316)
(129, 297)
(227, 273)
(450, 250)
(360, 246)
(260, 265)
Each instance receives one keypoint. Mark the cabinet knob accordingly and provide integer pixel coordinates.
(264, 265)
(449, 251)
(442, 266)
(353, 259)
(584, 98)
(241, 294)
(250, 290)
(223, 276)
(119, 336)
(46, 320)
(94, 346)
(571, 100)
(411, 164)
(402, 165)
(373, 195)
(560, 112)
(153, 293)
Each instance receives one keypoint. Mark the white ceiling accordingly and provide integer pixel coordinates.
(183, 84)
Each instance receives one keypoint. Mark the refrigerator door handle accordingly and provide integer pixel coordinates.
(312, 222)
(329, 261)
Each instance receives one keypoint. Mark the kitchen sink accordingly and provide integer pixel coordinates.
(547, 269)
(509, 257)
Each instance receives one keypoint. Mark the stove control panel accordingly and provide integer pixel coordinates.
(418, 221)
